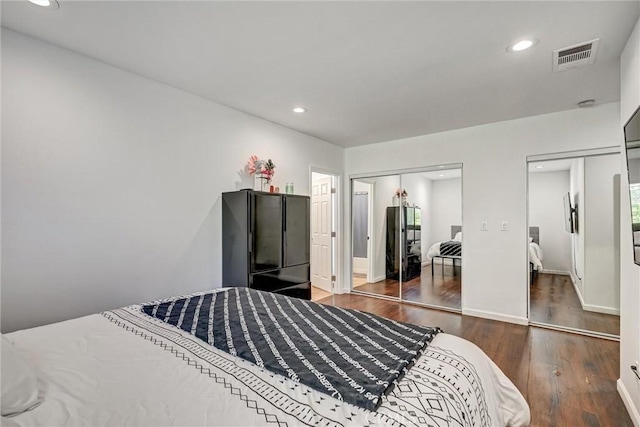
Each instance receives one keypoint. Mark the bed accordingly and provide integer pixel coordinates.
(449, 249)
(535, 252)
(452, 249)
(134, 366)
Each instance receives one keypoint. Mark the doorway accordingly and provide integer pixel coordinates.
(323, 235)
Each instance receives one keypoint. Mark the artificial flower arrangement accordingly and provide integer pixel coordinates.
(401, 193)
(265, 168)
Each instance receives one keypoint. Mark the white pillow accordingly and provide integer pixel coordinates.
(458, 236)
(19, 383)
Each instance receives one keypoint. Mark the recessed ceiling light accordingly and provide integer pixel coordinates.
(521, 45)
(539, 167)
(50, 4)
(299, 110)
(441, 174)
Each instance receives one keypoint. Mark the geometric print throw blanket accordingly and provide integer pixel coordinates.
(351, 355)
(451, 248)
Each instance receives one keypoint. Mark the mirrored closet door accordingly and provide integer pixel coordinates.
(417, 218)
(375, 251)
(574, 231)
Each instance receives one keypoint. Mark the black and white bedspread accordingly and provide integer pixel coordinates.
(450, 248)
(124, 367)
(353, 356)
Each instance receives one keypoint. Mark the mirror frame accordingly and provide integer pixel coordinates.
(632, 143)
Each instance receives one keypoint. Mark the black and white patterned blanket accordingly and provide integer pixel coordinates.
(353, 356)
(451, 248)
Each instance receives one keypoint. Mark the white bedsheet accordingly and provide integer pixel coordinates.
(125, 368)
(535, 254)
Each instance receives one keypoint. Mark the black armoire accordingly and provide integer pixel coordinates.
(403, 243)
(266, 242)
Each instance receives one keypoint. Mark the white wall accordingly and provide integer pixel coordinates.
(601, 282)
(446, 208)
(546, 210)
(112, 183)
(628, 385)
(494, 190)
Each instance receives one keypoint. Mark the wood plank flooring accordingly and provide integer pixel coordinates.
(318, 294)
(441, 289)
(554, 301)
(568, 380)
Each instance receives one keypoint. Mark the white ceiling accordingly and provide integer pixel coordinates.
(367, 71)
(550, 166)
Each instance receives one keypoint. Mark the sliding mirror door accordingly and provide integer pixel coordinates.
(375, 231)
(574, 211)
(432, 251)
(407, 236)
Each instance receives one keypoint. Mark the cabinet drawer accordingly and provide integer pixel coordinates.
(281, 278)
(302, 291)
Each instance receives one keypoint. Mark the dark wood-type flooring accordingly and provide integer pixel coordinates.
(567, 379)
(554, 301)
(443, 289)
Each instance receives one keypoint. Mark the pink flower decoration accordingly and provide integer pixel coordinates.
(254, 165)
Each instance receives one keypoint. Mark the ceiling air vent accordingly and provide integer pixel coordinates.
(575, 56)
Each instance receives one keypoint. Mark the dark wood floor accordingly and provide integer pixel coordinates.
(568, 380)
(554, 301)
(443, 289)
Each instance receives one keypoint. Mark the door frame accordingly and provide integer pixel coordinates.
(336, 224)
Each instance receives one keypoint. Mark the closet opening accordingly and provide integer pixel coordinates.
(574, 242)
(406, 231)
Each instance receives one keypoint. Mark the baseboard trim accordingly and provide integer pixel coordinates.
(496, 316)
(559, 272)
(378, 279)
(601, 309)
(628, 403)
(574, 280)
(591, 307)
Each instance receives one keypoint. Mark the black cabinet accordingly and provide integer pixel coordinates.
(266, 242)
(403, 249)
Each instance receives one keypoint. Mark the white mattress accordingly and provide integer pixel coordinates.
(535, 254)
(126, 368)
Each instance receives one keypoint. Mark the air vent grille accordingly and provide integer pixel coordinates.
(575, 56)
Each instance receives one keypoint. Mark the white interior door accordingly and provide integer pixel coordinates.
(321, 233)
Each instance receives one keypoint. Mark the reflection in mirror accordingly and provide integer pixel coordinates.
(375, 256)
(574, 230)
(632, 139)
(432, 256)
